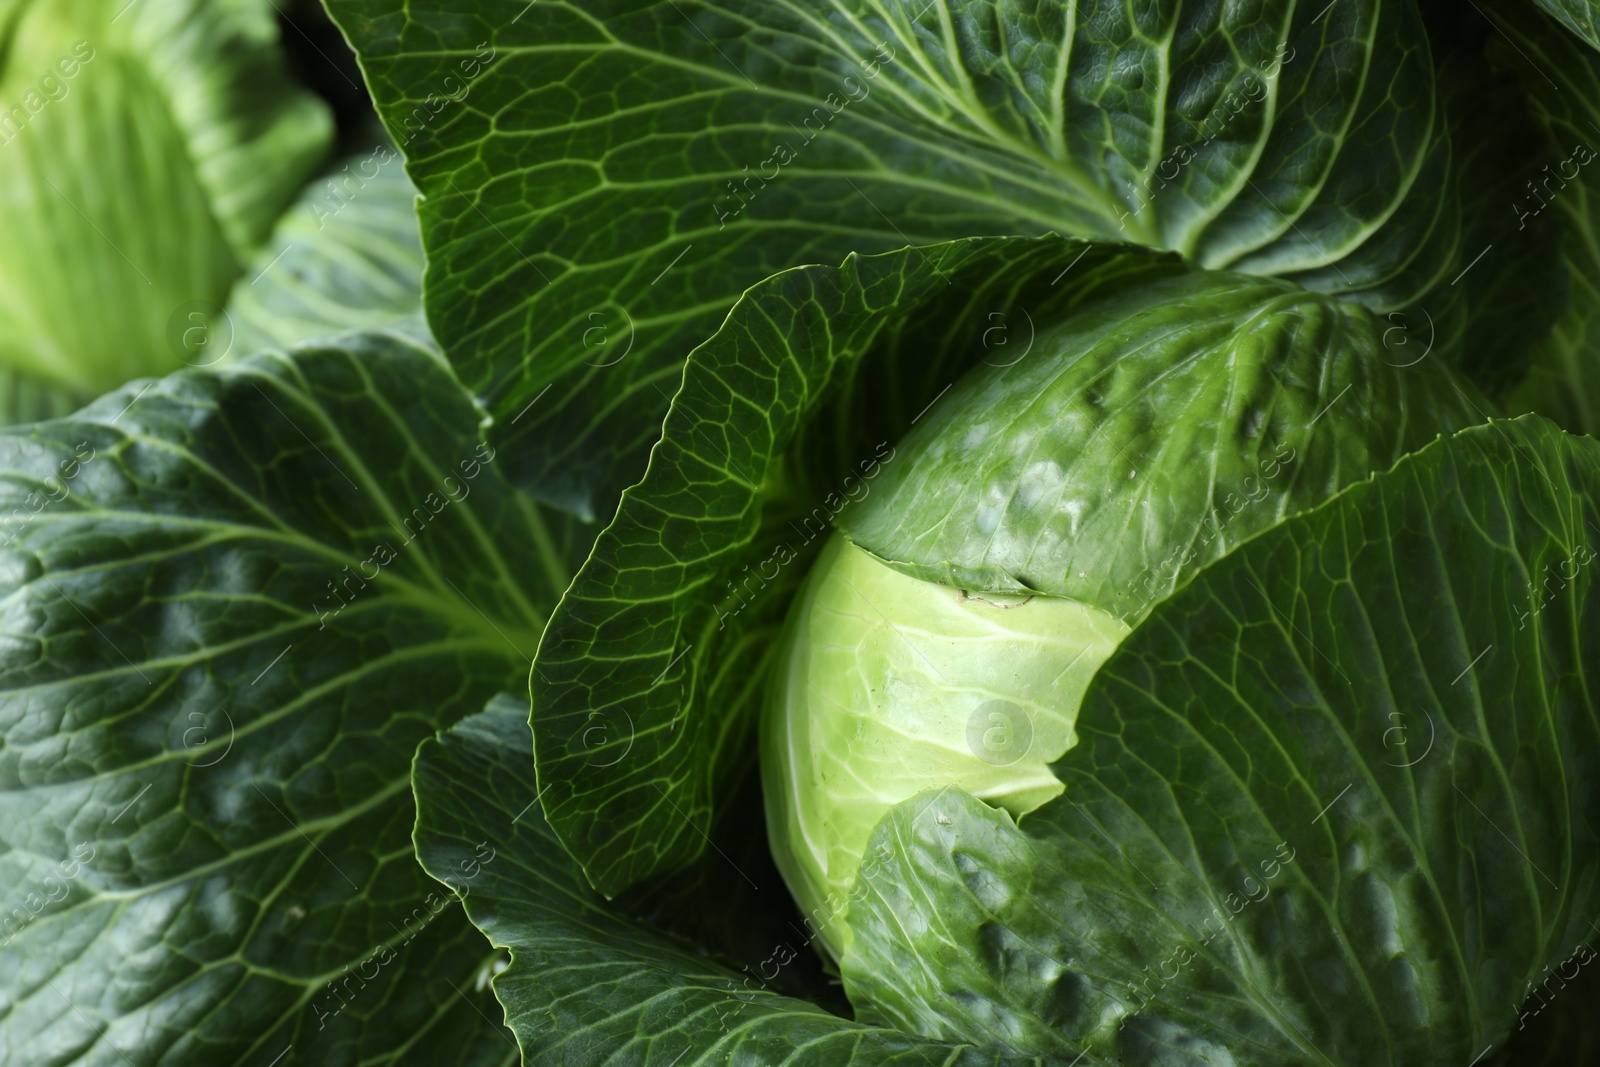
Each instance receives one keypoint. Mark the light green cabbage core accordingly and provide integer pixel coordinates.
(890, 684)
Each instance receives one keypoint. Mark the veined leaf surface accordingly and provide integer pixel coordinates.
(602, 181)
(1341, 775)
(233, 602)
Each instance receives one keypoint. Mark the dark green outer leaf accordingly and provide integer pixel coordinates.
(1557, 1026)
(1396, 690)
(1148, 434)
(1511, 283)
(183, 699)
(1562, 79)
(586, 985)
(649, 673)
(734, 905)
(603, 180)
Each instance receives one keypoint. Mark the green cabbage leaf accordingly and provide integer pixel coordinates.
(146, 150)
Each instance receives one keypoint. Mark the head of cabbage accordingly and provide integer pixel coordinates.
(947, 633)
